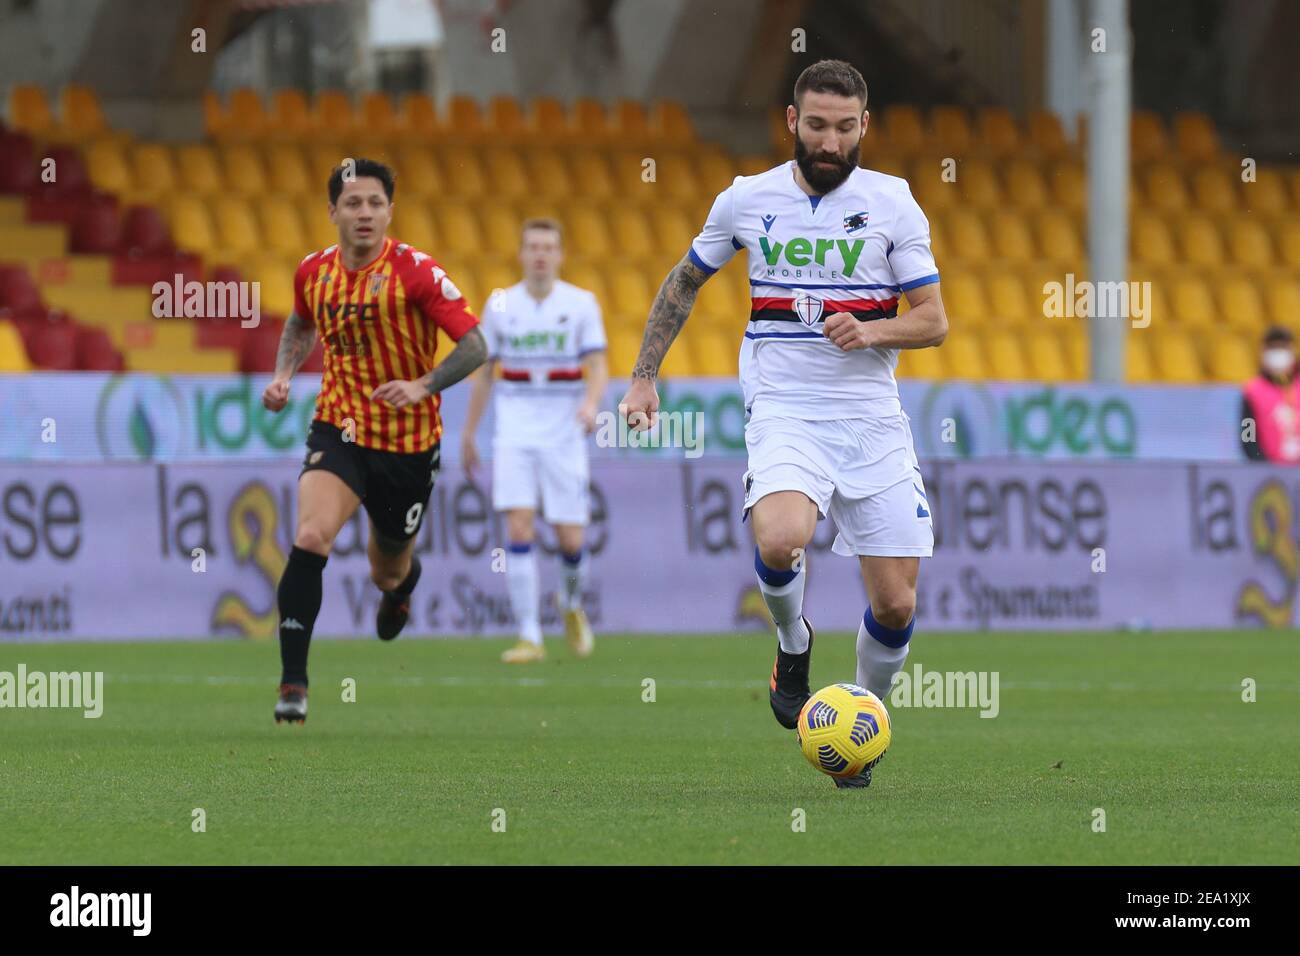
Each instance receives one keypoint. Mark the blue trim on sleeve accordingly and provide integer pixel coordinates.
(595, 348)
(924, 280)
(695, 258)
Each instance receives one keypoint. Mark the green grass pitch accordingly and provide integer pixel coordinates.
(1150, 728)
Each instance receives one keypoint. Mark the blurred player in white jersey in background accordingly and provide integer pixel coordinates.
(831, 248)
(549, 340)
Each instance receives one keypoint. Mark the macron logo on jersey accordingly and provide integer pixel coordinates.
(800, 252)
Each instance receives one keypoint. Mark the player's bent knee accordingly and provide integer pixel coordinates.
(780, 547)
(313, 539)
(895, 611)
(386, 579)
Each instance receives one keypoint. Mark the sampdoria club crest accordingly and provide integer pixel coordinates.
(808, 308)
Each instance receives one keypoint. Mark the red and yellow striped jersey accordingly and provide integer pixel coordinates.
(379, 323)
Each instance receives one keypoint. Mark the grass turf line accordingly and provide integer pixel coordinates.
(1150, 728)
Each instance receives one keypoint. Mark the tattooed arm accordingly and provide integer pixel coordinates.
(470, 352)
(296, 342)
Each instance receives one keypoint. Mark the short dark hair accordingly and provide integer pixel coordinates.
(543, 222)
(1279, 334)
(361, 167)
(831, 76)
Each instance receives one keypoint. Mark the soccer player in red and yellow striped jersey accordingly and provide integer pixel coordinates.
(377, 304)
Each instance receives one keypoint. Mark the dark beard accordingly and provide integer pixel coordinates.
(820, 178)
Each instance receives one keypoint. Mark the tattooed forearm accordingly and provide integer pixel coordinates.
(296, 343)
(667, 316)
(470, 352)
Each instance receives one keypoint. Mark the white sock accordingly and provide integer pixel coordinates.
(573, 575)
(785, 603)
(878, 662)
(521, 579)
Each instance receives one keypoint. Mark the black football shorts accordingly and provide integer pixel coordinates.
(393, 487)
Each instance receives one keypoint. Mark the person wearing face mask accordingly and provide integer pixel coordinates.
(1272, 400)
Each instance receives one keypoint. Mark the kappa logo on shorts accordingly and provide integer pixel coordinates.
(922, 505)
(314, 457)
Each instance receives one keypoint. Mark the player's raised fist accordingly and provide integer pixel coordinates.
(640, 406)
(276, 395)
(847, 332)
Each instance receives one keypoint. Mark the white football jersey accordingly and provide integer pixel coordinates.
(855, 249)
(540, 346)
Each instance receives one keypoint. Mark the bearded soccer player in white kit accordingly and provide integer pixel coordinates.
(831, 248)
(548, 338)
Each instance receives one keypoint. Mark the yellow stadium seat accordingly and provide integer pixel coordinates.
(1214, 190)
(1009, 303)
(1068, 186)
(629, 122)
(1074, 338)
(13, 354)
(589, 234)
(1165, 188)
(778, 132)
(714, 352)
(459, 229)
(903, 131)
(198, 170)
(631, 293)
(244, 116)
(967, 238)
(676, 180)
(950, 131)
(244, 172)
(1240, 304)
(998, 132)
(1175, 359)
(547, 120)
(547, 175)
(154, 171)
(237, 230)
(82, 116)
(505, 120)
(978, 184)
(1196, 137)
(624, 346)
(497, 275)
(588, 277)
(718, 305)
(679, 362)
(1288, 243)
(1192, 303)
(191, 226)
(753, 165)
(376, 117)
(501, 230)
(462, 172)
(1138, 369)
(963, 358)
(632, 235)
(1267, 194)
(1046, 356)
(592, 171)
(670, 123)
(1231, 360)
(506, 173)
(314, 213)
(1148, 140)
(418, 174)
(672, 230)
(291, 175)
(1026, 188)
(963, 298)
(215, 120)
(464, 121)
(418, 116)
(29, 111)
(933, 189)
(715, 171)
(106, 163)
(1283, 296)
(291, 115)
(1047, 135)
(590, 122)
(413, 224)
(1006, 360)
(1151, 242)
(282, 231)
(1200, 241)
(925, 364)
(333, 114)
(275, 278)
(1058, 238)
(1011, 236)
(1250, 244)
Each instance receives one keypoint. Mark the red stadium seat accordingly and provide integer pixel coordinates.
(19, 171)
(70, 178)
(95, 351)
(53, 346)
(97, 230)
(145, 233)
(17, 290)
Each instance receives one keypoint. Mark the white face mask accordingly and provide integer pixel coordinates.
(1279, 361)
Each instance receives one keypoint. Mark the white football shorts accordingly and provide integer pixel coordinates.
(553, 480)
(861, 472)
